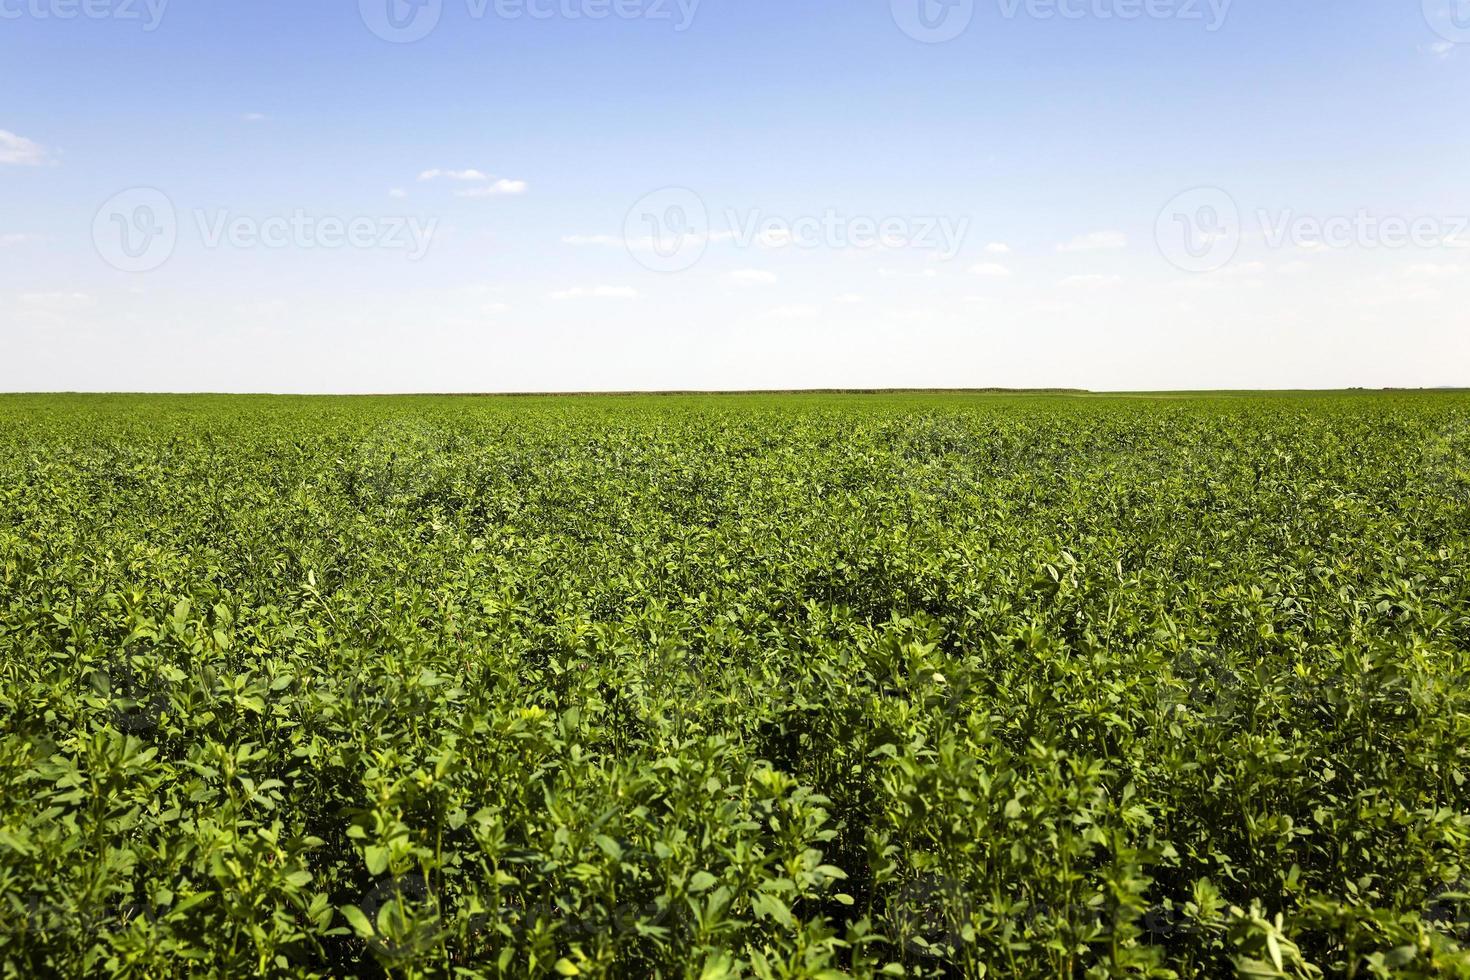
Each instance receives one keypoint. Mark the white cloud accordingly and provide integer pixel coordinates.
(52, 310)
(990, 270)
(1432, 272)
(398, 192)
(899, 274)
(254, 117)
(1096, 241)
(13, 238)
(500, 187)
(495, 309)
(1442, 49)
(609, 241)
(1235, 277)
(851, 299)
(59, 302)
(20, 151)
(1091, 282)
(796, 311)
(998, 248)
(461, 175)
(596, 292)
(753, 276)
(647, 243)
(489, 185)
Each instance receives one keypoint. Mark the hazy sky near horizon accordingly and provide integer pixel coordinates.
(515, 195)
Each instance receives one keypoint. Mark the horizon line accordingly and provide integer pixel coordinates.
(676, 392)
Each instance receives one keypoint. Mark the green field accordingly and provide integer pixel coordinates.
(717, 686)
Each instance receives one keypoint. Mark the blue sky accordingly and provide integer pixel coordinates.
(1114, 194)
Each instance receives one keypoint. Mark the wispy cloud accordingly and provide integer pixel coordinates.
(58, 302)
(596, 292)
(255, 117)
(645, 243)
(990, 270)
(1097, 241)
(1091, 282)
(795, 311)
(753, 276)
(13, 238)
(998, 248)
(19, 151)
(497, 189)
(1432, 272)
(608, 241)
(463, 175)
(487, 185)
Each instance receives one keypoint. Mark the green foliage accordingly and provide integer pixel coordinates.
(774, 687)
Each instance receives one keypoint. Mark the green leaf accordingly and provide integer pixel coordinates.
(358, 921)
(376, 857)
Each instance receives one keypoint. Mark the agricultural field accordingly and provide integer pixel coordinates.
(813, 686)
